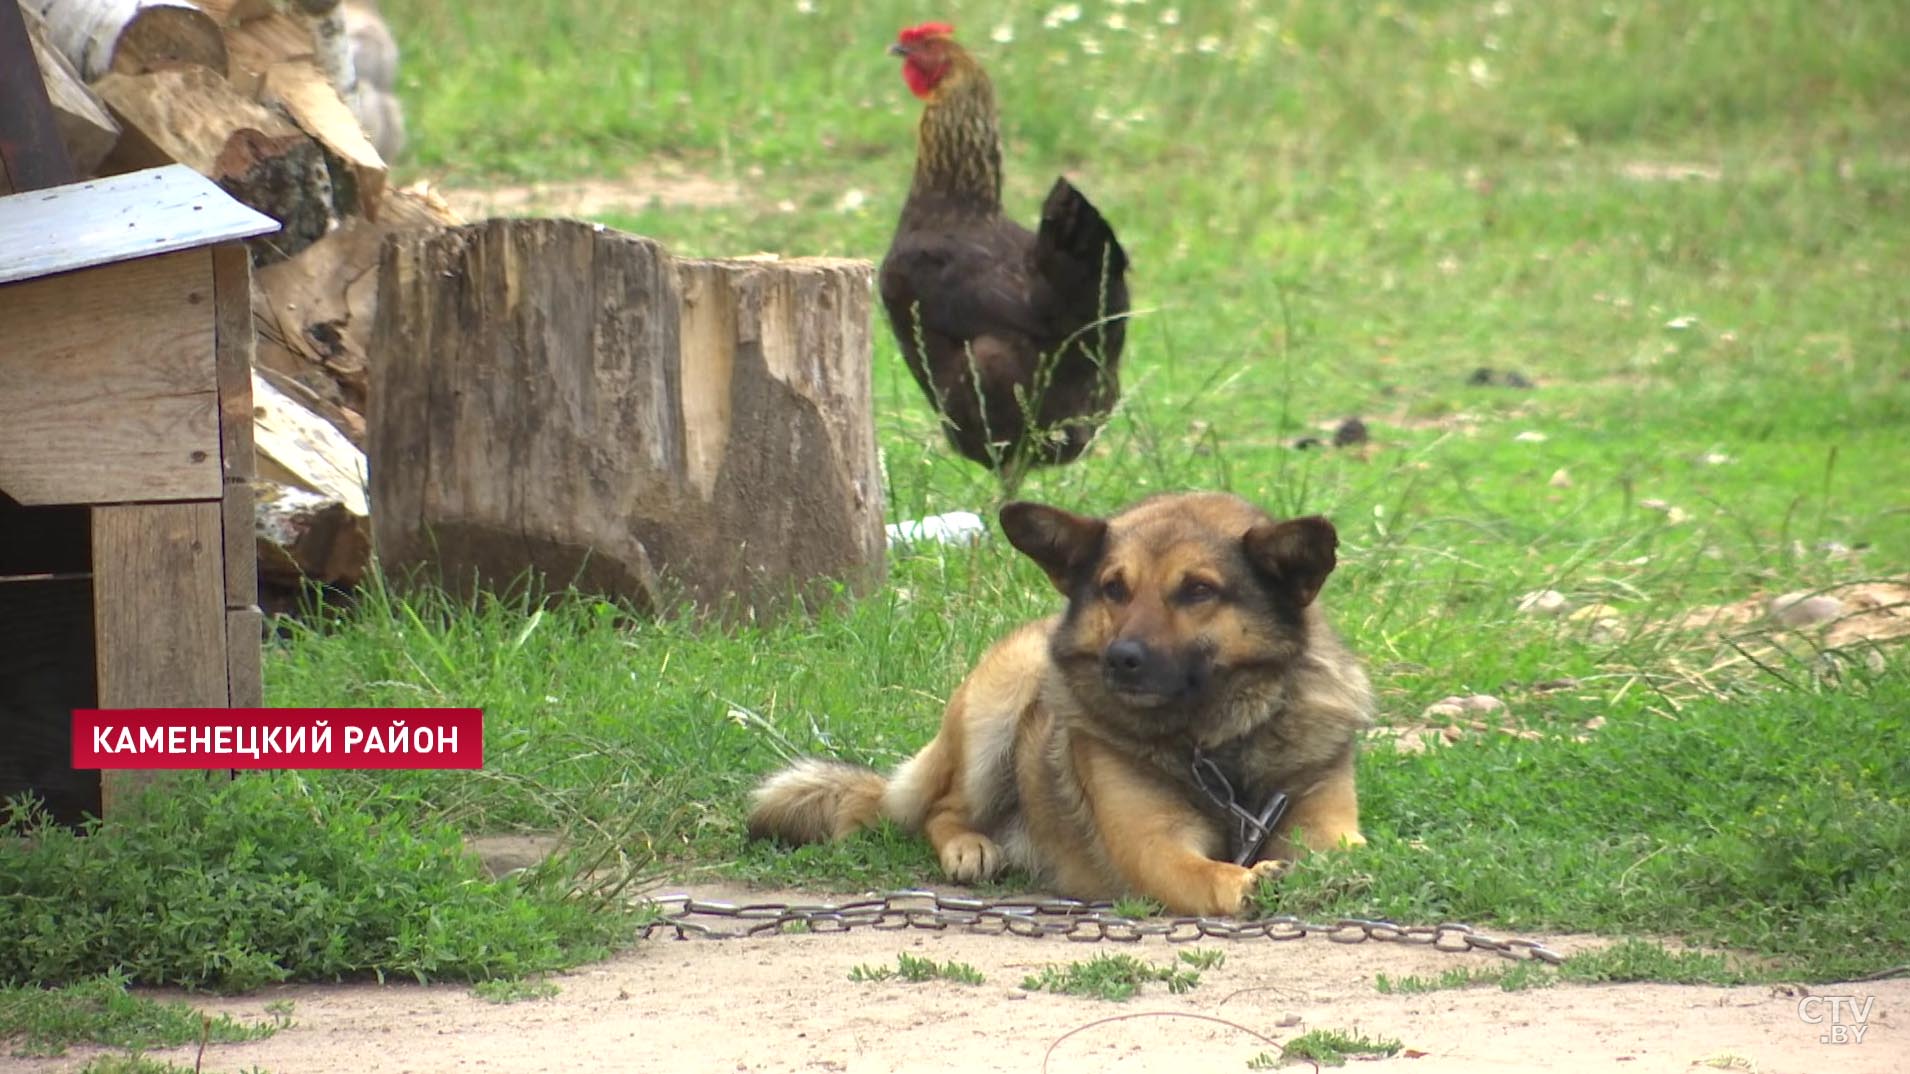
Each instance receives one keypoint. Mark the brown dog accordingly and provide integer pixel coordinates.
(1144, 741)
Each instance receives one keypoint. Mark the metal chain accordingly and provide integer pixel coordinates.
(1081, 922)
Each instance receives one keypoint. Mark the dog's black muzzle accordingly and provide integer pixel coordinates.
(1143, 672)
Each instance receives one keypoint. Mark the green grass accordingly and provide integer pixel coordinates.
(915, 969)
(514, 990)
(1627, 960)
(268, 879)
(139, 1064)
(99, 1010)
(1120, 977)
(1333, 209)
(1333, 1047)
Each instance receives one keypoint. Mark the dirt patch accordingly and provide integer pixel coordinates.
(785, 1003)
(635, 190)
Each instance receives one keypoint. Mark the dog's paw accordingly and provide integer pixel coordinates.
(970, 856)
(1237, 889)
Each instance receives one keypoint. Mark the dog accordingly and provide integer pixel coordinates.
(1179, 732)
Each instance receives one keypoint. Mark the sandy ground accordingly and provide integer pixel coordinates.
(785, 1003)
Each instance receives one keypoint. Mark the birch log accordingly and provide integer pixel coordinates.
(85, 129)
(556, 397)
(131, 36)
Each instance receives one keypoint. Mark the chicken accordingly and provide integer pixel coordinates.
(1014, 336)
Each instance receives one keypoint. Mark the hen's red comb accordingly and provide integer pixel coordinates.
(914, 35)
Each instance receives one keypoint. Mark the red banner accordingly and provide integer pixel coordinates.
(278, 738)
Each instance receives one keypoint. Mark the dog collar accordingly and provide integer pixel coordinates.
(1251, 829)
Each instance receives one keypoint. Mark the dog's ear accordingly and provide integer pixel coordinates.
(1296, 555)
(1060, 541)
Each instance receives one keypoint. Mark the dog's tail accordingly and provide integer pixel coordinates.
(815, 801)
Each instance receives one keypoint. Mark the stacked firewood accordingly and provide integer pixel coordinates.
(289, 106)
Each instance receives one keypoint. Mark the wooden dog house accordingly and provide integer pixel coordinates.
(127, 566)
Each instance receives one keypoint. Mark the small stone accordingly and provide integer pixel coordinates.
(1804, 609)
(1531, 436)
(1483, 703)
(1560, 479)
(1544, 602)
(1450, 709)
(1287, 1021)
(1351, 431)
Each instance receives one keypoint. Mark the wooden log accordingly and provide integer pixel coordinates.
(257, 45)
(374, 52)
(235, 12)
(299, 448)
(373, 96)
(132, 36)
(86, 129)
(192, 116)
(304, 536)
(315, 312)
(358, 172)
(554, 396)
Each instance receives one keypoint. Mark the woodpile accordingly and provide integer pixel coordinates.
(289, 106)
(508, 399)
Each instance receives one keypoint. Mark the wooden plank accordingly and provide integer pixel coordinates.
(31, 154)
(234, 344)
(157, 576)
(159, 621)
(240, 544)
(244, 632)
(134, 215)
(107, 387)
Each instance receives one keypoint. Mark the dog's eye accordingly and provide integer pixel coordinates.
(1115, 590)
(1195, 591)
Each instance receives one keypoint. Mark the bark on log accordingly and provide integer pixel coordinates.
(554, 396)
(85, 129)
(192, 116)
(358, 172)
(314, 312)
(303, 535)
(132, 36)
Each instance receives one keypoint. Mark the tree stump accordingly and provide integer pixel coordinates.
(554, 397)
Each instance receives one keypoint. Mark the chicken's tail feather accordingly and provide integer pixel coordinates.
(1074, 236)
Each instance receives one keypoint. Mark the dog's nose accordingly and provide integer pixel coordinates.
(1125, 658)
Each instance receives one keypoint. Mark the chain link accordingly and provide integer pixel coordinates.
(1076, 921)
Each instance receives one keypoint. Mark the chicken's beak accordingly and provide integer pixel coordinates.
(898, 50)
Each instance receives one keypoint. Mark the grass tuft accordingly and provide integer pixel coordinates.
(46, 1021)
(916, 969)
(1120, 977)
